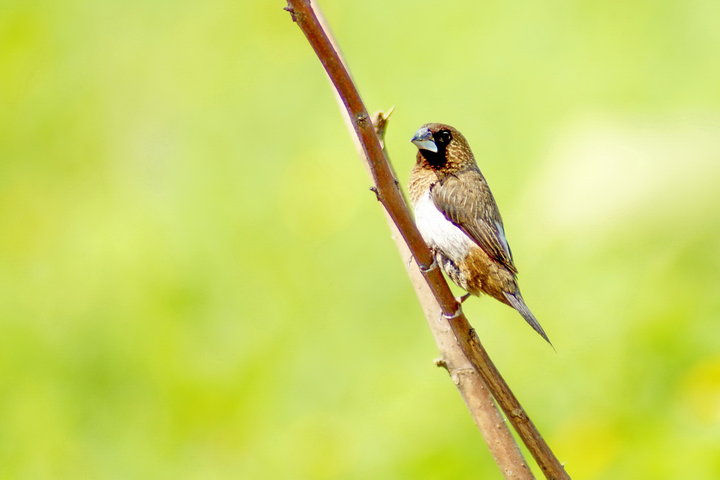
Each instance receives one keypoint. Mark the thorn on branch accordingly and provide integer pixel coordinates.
(376, 192)
(440, 362)
(291, 10)
(380, 121)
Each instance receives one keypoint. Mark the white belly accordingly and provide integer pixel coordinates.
(439, 233)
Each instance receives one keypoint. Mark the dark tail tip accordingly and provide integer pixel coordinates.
(517, 302)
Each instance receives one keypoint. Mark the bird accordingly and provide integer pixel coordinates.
(457, 216)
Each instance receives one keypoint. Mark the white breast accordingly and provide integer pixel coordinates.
(438, 232)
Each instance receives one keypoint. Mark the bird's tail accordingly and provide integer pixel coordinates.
(517, 302)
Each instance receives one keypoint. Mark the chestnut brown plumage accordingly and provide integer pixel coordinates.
(459, 219)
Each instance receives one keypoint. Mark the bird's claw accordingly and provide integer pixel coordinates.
(428, 268)
(461, 299)
(453, 315)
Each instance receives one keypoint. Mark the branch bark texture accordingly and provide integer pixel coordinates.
(392, 200)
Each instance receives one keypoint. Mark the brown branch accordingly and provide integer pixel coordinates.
(391, 198)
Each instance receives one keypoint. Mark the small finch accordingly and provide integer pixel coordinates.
(459, 220)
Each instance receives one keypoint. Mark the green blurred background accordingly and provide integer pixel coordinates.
(195, 281)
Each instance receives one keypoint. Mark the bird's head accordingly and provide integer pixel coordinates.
(441, 147)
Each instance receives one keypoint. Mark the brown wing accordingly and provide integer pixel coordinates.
(465, 200)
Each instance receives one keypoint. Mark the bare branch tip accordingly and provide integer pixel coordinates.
(381, 117)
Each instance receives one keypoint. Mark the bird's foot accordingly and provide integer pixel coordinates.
(455, 314)
(428, 268)
(462, 298)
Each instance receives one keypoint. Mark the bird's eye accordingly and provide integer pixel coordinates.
(444, 136)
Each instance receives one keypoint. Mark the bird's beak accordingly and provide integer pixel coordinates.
(423, 140)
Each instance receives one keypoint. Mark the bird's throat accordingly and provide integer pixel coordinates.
(434, 159)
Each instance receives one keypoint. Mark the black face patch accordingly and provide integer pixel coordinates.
(437, 159)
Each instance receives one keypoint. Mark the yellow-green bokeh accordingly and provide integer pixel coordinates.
(195, 281)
